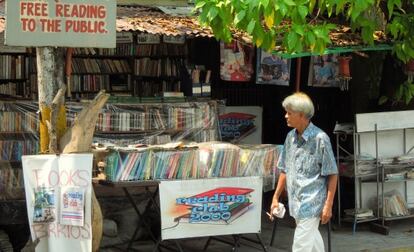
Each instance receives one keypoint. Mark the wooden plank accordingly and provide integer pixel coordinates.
(129, 183)
(385, 120)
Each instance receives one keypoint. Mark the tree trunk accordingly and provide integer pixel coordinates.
(50, 77)
(50, 71)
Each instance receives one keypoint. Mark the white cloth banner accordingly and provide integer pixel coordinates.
(206, 207)
(44, 178)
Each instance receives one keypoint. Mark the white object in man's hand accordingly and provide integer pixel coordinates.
(279, 211)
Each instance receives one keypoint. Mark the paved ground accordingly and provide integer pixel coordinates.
(400, 239)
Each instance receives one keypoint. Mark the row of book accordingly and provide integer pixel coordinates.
(140, 50)
(81, 83)
(158, 67)
(12, 150)
(176, 116)
(162, 117)
(204, 160)
(13, 67)
(189, 117)
(156, 86)
(122, 49)
(13, 88)
(19, 121)
(161, 50)
(104, 66)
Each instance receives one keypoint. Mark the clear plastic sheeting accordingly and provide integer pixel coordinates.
(18, 136)
(202, 160)
(117, 125)
(154, 123)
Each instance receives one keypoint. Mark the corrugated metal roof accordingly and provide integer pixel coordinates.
(154, 21)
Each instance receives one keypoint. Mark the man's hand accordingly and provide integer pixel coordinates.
(275, 205)
(326, 213)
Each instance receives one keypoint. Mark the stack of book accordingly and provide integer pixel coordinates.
(204, 160)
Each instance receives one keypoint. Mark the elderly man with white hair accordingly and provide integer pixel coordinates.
(309, 172)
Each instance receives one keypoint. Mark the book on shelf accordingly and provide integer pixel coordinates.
(204, 160)
(173, 94)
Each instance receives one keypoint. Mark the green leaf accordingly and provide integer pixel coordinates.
(311, 5)
(212, 13)
(251, 26)
(408, 97)
(239, 17)
(292, 39)
(200, 4)
(299, 29)
(303, 11)
(283, 9)
(399, 93)
(340, 6)
(289, 2)
(310, 37)
(390, 7)
(383, 99)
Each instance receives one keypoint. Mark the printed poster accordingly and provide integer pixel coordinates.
(272, 69)
(323, 71)
(241, 124)
(207, 207)
(236, 61)
(72, 206)
(47, 178)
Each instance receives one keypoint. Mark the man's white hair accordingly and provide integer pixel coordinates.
(299, 102)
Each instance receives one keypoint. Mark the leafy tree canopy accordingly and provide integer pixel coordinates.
(304, 25)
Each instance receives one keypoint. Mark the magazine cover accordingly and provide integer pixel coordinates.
(272, 69)
(72, 207)
(44, 205)
(323, 71)
(236, 61)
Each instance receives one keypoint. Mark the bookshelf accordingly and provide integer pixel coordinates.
(14, 81)
(118, 124)
(141, 65)
(158, 65)
(18, 136)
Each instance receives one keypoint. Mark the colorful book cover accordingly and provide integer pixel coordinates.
(44, 205)
(72, 207)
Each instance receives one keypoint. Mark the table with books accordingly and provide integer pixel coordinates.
(211, 183)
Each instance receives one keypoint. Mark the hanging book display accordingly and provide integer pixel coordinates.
(323, 71)
(236, 61)
(203, 160)
(272, 69)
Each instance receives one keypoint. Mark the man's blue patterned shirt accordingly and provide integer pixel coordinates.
(307, 161)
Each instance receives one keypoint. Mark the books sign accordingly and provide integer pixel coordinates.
(206, 207)
(70, 23)
(58, 196)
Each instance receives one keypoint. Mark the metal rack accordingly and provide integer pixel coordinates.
(385, 136)
(405, 181)
(358, 178)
